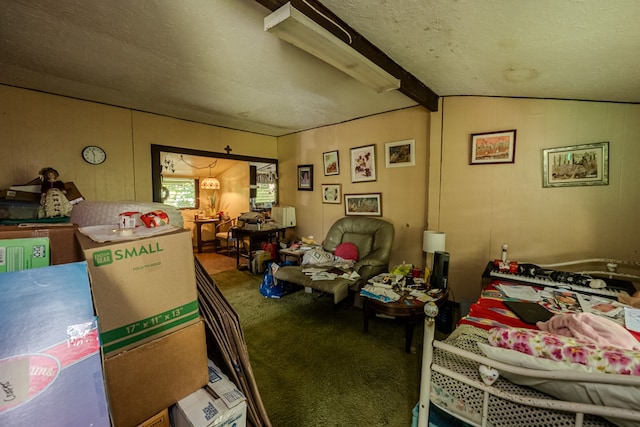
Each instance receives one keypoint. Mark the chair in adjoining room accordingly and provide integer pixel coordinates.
(224, 235)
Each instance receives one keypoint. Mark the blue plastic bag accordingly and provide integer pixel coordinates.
(270, 286)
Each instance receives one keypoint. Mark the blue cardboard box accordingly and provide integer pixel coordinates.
(50, 363)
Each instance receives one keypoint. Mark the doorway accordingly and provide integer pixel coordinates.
(242, 183)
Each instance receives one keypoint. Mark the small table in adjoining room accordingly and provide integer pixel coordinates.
(411, 310)
(199, 223)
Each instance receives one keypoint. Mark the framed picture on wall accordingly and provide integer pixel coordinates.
(331, 193)
(577, 165)
(493, 147)
(331, 163)
(400, 153)
(305, 177)
(363, 163)
(363, 204)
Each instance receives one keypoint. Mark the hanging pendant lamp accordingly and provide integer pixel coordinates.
(210, 183)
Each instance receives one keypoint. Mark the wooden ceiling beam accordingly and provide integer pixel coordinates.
(409, 84)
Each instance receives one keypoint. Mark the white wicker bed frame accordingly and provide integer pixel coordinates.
(455, 369)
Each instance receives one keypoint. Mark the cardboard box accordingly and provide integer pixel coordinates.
(153, 376)
(223, 388)
(24, 196)
(161, 419)
(63, 246)
(23, 254)
(143, 288)
(258, 261)
(50, 364)
(73, 194)
(202, 409)
(31, 192)
(218, 404)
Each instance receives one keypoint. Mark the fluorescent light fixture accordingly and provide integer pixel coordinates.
(293, 26)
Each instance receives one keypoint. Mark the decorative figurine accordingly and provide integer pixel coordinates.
(53, 195)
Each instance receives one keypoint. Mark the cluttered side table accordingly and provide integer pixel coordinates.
(408, 306)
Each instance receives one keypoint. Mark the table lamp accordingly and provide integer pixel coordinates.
(432, 241)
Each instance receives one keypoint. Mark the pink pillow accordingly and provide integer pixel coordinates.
(347, 250)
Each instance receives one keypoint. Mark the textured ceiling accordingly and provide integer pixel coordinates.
(571, 49)
(210, 61)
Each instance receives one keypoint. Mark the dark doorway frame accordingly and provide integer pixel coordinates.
(156, 167)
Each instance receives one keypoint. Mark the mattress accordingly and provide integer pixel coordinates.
(88, 213)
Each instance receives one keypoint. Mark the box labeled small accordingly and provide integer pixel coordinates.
(142, 288)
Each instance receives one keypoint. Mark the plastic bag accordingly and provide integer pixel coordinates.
(402, 269)
(271, 248)
(272, 287)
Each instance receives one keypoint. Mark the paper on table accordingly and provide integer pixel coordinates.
(422, 296)
(522, 292)
(632, 319)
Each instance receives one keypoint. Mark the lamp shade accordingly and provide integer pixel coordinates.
(433, 241)
(210, 184)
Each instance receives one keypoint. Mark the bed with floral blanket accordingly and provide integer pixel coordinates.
(579, 368)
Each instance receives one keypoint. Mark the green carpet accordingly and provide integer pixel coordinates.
(313, 364)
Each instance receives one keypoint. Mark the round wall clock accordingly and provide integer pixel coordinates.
(94, 155)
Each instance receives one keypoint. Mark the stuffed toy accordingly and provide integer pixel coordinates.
(53, 199)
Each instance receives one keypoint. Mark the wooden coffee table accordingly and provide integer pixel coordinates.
(411, 311)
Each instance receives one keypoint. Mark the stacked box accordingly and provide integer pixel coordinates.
(161, 419)
(23, 254)
(31, 193)
(50, 364)
(223, 388)
(142, 289)
(63, 246)
(153, 341)
(144, 380)
(219, 404)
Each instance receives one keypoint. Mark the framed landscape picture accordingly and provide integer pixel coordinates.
(576, 165)
(305, 177)
(363, 204)
(493, 147)
(331, 193)
(400, 154)
(363, 163)
(331, 163)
